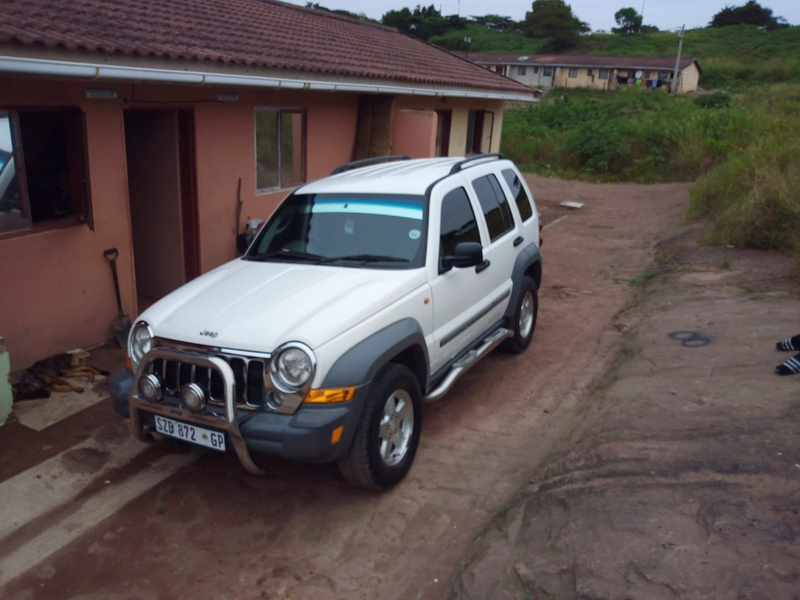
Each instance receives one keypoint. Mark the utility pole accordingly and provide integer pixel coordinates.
(641, 14)
(677, 62)
(468, 42)
(459, 8)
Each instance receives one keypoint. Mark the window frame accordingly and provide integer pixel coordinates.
(522, 70)
(515, 200)
(471, 205)
(535, 70)
(86, 214)
(495, 189)
(303, 140)
(601, 75)
(546, 74)
(573, 73)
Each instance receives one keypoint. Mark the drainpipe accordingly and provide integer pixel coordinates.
(5, 386)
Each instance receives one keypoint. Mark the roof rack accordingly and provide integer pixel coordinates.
(460, 164)
(368, 161)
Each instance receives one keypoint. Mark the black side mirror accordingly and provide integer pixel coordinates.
(243, 242)
(465, 254)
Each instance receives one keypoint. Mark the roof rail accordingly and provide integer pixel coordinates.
(459, 165)
(368, 161)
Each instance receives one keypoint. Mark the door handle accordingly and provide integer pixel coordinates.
(482, 266)
(518, 241)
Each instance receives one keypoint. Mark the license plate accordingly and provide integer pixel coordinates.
(190, 433)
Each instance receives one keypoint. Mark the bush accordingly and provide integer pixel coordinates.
(715, 100)
(745, 151)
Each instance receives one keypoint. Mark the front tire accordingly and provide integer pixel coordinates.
(523, 321)
(388, 432)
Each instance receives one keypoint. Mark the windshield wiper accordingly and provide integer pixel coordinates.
(365, 258)
(290, 254)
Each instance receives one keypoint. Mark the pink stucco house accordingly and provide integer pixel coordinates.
(139, 124)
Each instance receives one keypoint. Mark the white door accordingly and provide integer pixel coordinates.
(500, 229)
(460, 296)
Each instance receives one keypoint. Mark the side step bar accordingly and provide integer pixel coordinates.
(463, 364)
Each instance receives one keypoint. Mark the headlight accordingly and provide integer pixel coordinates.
(291, 367)
(141, 341)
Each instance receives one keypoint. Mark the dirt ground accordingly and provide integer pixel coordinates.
(681, 478)
(99, 517)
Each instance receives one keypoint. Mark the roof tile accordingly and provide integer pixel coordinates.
(259, 33)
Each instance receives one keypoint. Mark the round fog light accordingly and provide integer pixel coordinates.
(150, 387)
(193, 397)
(275, 401)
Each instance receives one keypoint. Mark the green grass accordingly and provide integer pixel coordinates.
(732, 58)
(753, 197)
(629, 135)
(743, 150)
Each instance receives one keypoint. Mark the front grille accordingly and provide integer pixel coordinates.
(249, 373)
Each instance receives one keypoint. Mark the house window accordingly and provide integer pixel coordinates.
(646, 75)
(43, 168)
(663, 75)
(589, 73)
(573, 73)
(548, 71)
(280, 149)
(603, 74)
(495, 206)
(521, 71)
(535, 70)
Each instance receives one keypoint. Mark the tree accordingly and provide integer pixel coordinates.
(344, 13)
(495, 22)
(554, 21)
(423, 22)
(629, 21)
(751, 13)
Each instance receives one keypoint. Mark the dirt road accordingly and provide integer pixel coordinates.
(105, 520)
(681, 478)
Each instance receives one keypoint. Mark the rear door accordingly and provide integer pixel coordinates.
(500, 229)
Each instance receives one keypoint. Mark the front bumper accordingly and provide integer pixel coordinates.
(305, 435)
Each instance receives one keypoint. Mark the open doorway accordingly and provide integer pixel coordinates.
(479, 131)
(163, 207)
(443, 122)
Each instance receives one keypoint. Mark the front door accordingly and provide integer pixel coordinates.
(458, 294)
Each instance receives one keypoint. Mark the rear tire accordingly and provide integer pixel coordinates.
(387, 437)
(523, 321)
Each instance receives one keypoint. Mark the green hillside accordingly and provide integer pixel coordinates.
(731, 57)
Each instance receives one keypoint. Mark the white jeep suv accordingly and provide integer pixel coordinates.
(366, 294)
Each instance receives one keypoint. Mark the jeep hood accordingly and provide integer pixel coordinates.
(246, 305)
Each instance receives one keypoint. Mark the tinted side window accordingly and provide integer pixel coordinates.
(494, 205)
(519, 193)
(458, 221)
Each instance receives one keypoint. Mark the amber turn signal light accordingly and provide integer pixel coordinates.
(329, 396)
(129, 364)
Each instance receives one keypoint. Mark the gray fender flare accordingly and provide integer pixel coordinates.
(530, 255)
(362, 362)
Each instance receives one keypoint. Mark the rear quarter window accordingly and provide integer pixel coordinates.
(518, 192)
(494, 205)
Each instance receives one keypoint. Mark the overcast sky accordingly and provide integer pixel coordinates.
(665, 14)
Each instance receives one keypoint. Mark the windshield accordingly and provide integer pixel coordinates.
(383, 230)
